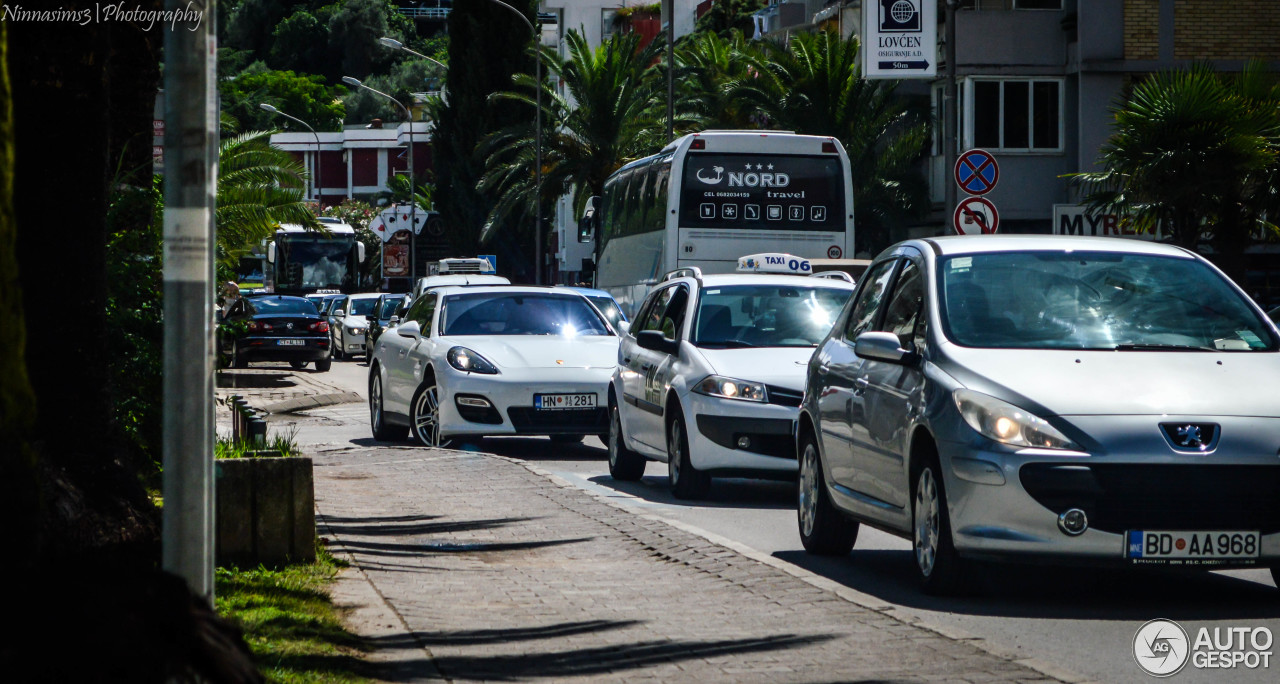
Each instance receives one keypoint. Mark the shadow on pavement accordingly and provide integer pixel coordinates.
(380, 527)
(234, 379)
(363, 548)
(1042, 591)
(609, 659)
(541, 448)
(497, 636)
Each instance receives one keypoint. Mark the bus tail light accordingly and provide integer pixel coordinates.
(698, 144)
(829, 147)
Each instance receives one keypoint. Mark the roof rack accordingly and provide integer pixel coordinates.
(835, 275)
(686, 272)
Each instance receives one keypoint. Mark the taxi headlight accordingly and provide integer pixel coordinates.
(1005, 423)
(731, 388)
(468, 361)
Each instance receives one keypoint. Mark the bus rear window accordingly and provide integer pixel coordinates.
(765, 192)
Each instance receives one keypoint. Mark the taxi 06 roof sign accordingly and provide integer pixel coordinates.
(775, 262)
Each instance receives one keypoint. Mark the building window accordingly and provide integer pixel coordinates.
(607, 18)
(1011, 4)
(1015, 115)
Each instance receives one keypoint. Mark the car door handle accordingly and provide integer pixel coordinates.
(823, 369)
(861, 386)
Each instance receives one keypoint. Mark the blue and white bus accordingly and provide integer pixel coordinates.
(708, 198)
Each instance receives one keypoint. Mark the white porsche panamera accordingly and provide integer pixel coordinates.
(494, 360)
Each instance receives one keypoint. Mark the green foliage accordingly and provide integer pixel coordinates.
(135, 318)
(609, 118)
(295, 632)
(406, 78)
(301, 95)
(707, 66)
(1195, 152)
(259, 187)
(354, 30)
(728, 16)
(301, 42)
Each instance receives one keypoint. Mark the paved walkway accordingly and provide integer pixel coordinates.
(483, 568)
(278, 390)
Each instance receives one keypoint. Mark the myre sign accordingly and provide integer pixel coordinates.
(1073, 219)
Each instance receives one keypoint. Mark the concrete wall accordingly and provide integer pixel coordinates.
(265, 511)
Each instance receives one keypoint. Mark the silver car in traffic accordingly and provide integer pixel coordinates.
(1068, 399)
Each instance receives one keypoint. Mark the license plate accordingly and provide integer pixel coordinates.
(291, 342)
(563, 401)
(1191, 548)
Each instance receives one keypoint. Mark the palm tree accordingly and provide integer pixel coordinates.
(259, 187)
(1193, 153)
(707, 66)
(609, 117)
(814, 85)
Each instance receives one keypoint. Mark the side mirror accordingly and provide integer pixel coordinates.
(339, 313)
(271, 251)
(623, 326)
(411, 330)
(360, 252)
(653, 340)
(881, 346)
(395, 320)
(370, 317)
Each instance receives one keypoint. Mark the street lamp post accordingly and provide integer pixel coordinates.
(413, 202)
(397, 45)
(319, 187)
(537, 199)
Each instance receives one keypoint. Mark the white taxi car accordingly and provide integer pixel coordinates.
(348, 321)
(711, 373)
(493, 360)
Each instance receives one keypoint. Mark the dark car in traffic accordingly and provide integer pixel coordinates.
(274, 328)
(380, 319)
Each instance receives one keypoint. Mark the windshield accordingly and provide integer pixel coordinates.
(766, 315)
(762, 191)
(519, 313)
(314, 262)
(282, 305)
(388, 307)
(362, 307)
(608, 307)
(1095, 300)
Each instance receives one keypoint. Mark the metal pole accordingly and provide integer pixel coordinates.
(191, 154)
(950, 114)
(413, 203)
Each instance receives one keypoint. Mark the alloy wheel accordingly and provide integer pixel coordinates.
(375, 403)
(926, 521)
(426, 417)
(675, 456)
(615, 437)
(808, 504)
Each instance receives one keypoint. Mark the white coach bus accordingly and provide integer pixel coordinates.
(708, 198)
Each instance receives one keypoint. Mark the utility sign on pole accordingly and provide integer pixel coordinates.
(900, 38)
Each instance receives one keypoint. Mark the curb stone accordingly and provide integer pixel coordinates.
(312, 401)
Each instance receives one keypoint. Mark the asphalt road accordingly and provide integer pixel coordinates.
(1080, 620)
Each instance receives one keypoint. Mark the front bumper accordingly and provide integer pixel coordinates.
(510, 409)
(717, 425)
(1006, 505)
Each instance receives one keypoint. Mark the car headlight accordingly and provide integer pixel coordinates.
(470, 362)
(731, 388)
(355, 330)
(1005, 423)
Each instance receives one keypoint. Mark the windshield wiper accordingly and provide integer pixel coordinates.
(1162, 347)
(736, 344)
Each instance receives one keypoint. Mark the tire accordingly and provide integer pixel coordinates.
(237, 361)
(939, 568)
(424, 416)
(566, 439)
(338, 353)
(686, 481)
(824, 530)
(297, 365)
(624, 464)
(324, 365)
(382, 430)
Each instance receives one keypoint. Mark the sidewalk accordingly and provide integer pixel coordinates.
(277, 390)
(479, 567)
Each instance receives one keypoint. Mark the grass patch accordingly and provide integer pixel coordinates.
(281, 444)
(290, 623)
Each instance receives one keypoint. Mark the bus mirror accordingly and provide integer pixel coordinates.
(271, 251)
(360, 252)
(589, 221)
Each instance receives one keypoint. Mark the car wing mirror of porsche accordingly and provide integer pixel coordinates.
(623, 326)
(882, 346)
(410, 329)
(653, 340)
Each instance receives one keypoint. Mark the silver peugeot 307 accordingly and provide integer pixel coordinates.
(1040, 397)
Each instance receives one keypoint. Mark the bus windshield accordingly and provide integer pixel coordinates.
(762, 191)
(314, 262)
